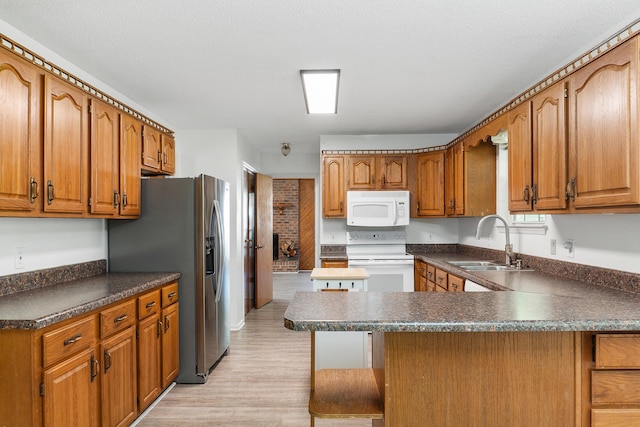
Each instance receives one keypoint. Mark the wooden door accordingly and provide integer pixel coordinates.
(264, 240)
(333, 188)
(149, 351)
(20, 178)
(393, 170)
(170, 344)
(130, 143)
(168, 154)
(71, 392)
(430, 184)
(549, 148)
(520, 161)
(307, 226)
(361, 172)
(119, 374)
(66, 148)
(603, 130)
(151, 148)
(105, 159)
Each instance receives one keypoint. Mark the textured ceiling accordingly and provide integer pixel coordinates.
(410, 66)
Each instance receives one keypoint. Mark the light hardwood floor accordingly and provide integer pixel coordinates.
(264, 381)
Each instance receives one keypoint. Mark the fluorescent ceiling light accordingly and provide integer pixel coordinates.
(320, 89)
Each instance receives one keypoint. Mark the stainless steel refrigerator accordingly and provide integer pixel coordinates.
(184, 227)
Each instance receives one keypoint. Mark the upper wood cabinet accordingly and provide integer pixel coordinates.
(428, 193)
(604, 145)
(168, 145)
(105, 159)
(20, 175)
(538, 152)
(130, 143)
(66, 148)
(377, 172)
(333, 190)
(151, 149)
(454, 181)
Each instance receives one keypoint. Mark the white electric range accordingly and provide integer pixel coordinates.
(382, 252)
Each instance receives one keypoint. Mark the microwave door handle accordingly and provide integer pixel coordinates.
(394, 220)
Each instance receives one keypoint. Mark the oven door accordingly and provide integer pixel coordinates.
(386, 275)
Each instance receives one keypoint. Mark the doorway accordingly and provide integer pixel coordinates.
(294, 225)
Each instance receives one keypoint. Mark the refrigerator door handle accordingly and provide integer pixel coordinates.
(219, 251)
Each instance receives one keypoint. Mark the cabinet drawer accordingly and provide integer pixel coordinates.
(615, 387)
(615, 417)
(421, 268)
(618, 351)
(148, 304)
(456, 284)
(63, 342)
(170, 294)
(431, 273)
(441, 278)
(117, 318)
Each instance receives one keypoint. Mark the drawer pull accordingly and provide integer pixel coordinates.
(73, 339)
(150, 304)
(120, 318)
(171, 295)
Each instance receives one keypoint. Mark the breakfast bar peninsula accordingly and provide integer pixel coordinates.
(514, 358)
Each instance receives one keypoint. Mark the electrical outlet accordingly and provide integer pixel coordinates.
(19, 264)
(429, 237)
(570, 247)
(552, 246)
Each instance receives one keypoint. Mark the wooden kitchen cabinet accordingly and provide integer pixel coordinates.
(455, 283)
(170, 344)
(441, 280)
(428, 184)
(119, 378)
(20, 174)
(604, 145)
(151, 149)
(168, 149)
(333, 189)
(130, 143)
(454, 181)
(538, 152)
(149, 349)
(105, 159)
(479, 175)
(71, 392)
(611, 378)
(419, 276)
(66, 148)
(377, 172)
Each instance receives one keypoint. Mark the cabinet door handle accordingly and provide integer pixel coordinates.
(164, 158)
(116, 199)
(525, 194)
(340, 206)
(384, 180)
(120, 318)
(166, 324)
(50, 194)
(95, 367)
(33, 189)
(74, 339)
(107, 361)
(534, 194)
(159, 328)
(571, 190)
(159, 156)
(124, 200)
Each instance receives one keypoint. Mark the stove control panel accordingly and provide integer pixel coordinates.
(386, 237)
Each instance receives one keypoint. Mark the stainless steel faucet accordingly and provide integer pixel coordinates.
(508, 247)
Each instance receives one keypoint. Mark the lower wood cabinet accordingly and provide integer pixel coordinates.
(102, 368)
(334, 263)
(611, 378)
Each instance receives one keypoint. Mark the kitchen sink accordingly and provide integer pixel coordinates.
(472, 263)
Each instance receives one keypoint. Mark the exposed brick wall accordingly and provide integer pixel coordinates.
(286, 192)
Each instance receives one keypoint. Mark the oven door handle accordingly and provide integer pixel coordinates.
(378, 264)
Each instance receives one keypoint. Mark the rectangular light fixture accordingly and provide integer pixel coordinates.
(320, 89)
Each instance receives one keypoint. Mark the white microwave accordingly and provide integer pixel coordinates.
(377, 208)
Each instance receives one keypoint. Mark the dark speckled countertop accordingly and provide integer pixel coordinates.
(41, 307)
(528, 301)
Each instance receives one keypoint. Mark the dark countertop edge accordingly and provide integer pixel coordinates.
(160, 279)
(501, 326)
